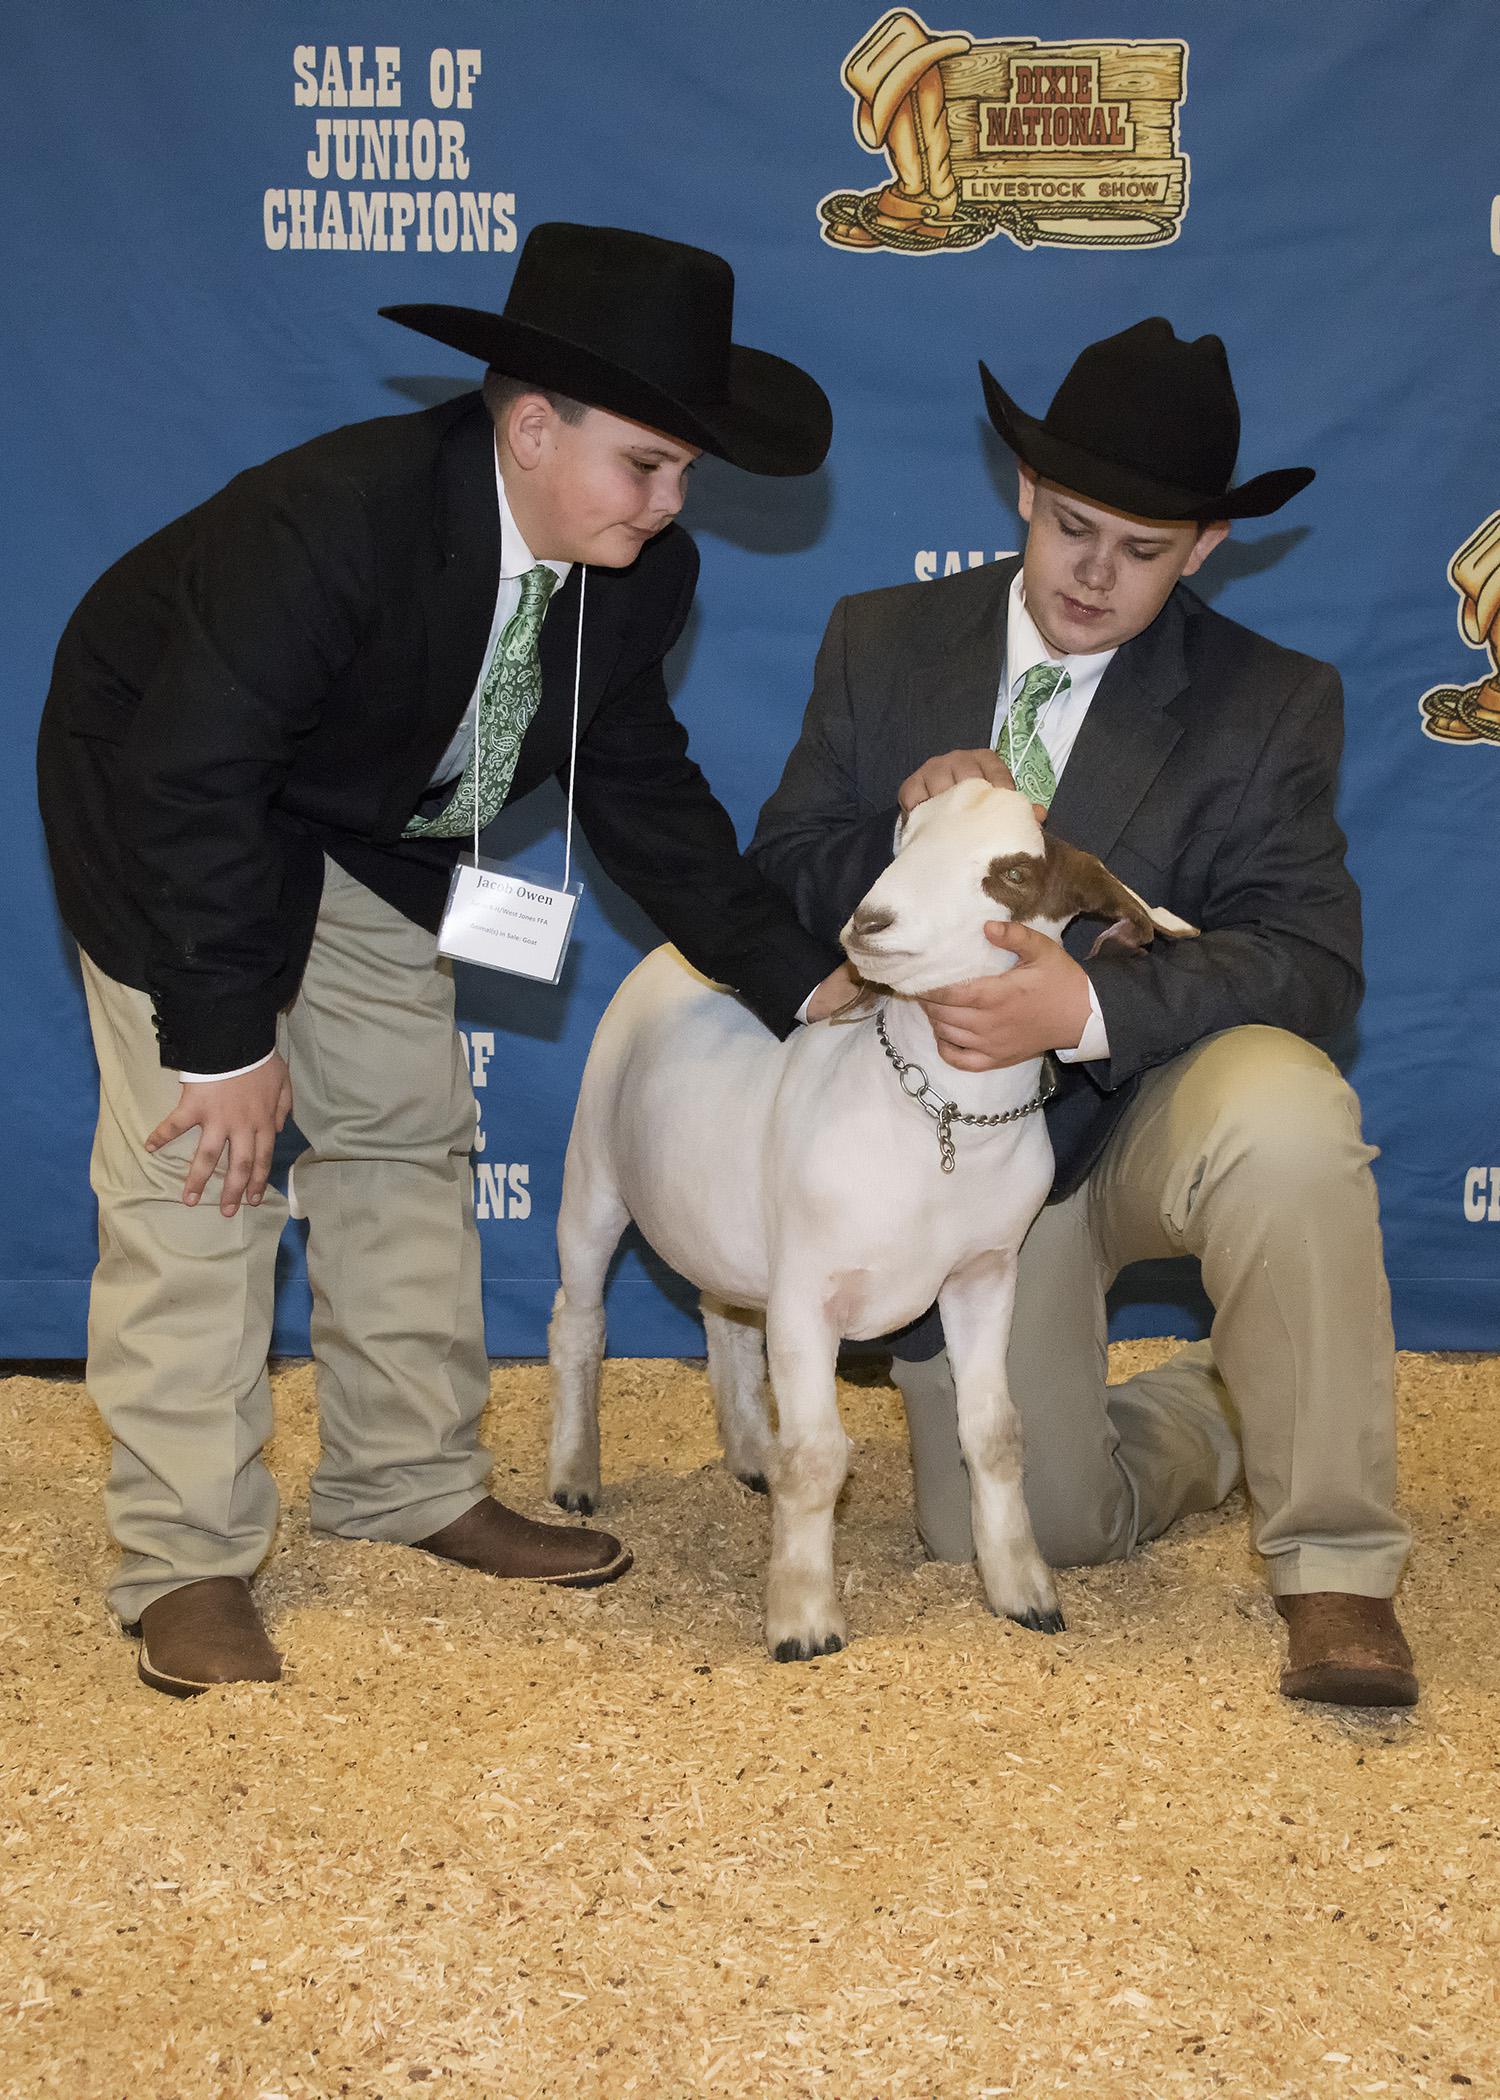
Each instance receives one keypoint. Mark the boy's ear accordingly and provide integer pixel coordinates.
(526, 423)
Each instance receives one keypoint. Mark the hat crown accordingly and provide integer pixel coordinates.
(1147, 424)
(883, 70)
(1154, 403)
(659, 307)
(641, 328)
(893, 40)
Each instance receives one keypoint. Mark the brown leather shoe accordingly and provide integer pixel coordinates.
(201, 1634)
(499, 1541)
(1348, 1651)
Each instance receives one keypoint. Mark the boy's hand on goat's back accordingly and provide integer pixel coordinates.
(1042, 1004)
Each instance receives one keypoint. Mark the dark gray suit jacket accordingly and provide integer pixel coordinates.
(1204, 775)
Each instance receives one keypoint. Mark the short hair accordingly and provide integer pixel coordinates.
(500, 390)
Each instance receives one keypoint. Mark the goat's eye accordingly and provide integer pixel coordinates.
(1015, 874)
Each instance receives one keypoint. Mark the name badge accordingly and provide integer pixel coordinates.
(507, 922)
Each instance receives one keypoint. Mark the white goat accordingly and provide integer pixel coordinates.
(804, 1178)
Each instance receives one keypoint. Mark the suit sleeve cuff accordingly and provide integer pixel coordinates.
(212, 1033)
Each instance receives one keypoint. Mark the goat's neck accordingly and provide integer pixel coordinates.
(912, 1038)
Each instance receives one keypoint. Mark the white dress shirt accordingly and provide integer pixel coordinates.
(1062, 717)
(1057, 726)
(515, 559)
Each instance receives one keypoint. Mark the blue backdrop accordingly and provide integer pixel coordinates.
(205, 207)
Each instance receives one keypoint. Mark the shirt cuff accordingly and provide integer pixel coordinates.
(807, 1002)
(1093, 1043)
(207, 1078)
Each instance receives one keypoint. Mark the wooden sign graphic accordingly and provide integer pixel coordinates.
(1063, 145)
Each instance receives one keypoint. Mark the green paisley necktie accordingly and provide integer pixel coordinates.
(1019, 744)
(509, 697)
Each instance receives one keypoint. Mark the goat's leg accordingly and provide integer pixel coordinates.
(811, 1458)
(976, 1308)
(737, 1377)
(591, 1218)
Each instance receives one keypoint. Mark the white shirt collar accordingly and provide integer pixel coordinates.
(515, 556)
(1025, 649)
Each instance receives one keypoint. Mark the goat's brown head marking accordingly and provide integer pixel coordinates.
(1020, 882)
(1064, 883)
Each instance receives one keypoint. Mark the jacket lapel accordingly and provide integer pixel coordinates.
(1126, 737)
(454, 605)
(458, 595)
(951, 692)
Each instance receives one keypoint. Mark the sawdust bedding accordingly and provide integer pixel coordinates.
(490, 1842)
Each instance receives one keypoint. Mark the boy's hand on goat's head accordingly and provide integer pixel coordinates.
(1042, 1004)
(940, 774)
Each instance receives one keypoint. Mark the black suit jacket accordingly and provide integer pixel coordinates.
(1204, 775)
(277, 674)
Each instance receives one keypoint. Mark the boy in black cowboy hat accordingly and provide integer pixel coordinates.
(258, 764)
(1194, 1114)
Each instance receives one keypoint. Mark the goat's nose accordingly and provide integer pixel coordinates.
(870, 920)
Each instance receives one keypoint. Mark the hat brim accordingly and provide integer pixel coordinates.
(774, 420)
(1123, 487)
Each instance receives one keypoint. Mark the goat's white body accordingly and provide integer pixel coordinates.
(800, 1179)
(811, 1150)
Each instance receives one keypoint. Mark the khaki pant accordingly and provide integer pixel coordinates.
(180, 1314)
(1247, 1153)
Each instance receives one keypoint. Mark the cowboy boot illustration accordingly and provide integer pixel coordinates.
(900, 107)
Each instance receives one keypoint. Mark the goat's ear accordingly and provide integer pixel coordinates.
(1125, 937)
(1079, 885)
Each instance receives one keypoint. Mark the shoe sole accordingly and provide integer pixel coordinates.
(591, 1578)
(1334, 1684)
(182, 1687)
(574, 1579)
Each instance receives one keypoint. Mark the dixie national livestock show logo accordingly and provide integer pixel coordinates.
(1056, 145)
(1470, 714)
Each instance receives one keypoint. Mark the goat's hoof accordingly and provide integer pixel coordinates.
(579, 1500)
(756, 1482)
(1041, 1621)
(800, 1651)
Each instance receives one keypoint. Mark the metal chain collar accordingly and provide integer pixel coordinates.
(946, 1113)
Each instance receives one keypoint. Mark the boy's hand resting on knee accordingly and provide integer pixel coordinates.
(239, 1117)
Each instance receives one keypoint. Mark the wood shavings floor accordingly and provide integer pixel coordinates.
(490, 1842)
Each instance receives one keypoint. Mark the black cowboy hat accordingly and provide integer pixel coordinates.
(1147, 424)
(641, 327)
